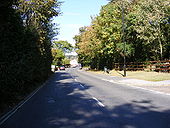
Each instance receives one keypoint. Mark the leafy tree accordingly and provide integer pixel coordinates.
(25, 35)
(146, 33)
(63, 45)
(58, 51)
(148, 26)
(58, 56)
(144, 30)
(87, 46)
(38, 15)
(66, 61)
(104, 38)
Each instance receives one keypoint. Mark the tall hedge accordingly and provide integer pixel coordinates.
(26, 59)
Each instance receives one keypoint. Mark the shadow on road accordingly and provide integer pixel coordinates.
(75, 109)
(62, 103)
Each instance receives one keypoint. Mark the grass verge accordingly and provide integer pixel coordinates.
(142, 75)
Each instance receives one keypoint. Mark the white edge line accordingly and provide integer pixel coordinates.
(13, 111)
(98, 102)
(81, 85)
(153, 91)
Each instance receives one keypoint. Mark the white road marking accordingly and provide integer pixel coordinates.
(77, 81)
(13, 111)
(108, 80)
(152, 91)
(113, 76)
(81, 85)
(98, 102)
(156, 92)
(72, 76)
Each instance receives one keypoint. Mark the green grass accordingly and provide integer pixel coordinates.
(142, 75)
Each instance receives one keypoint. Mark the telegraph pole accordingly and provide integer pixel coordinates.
(123, 39)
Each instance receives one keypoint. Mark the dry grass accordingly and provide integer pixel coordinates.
(142, 75)
(150, 76)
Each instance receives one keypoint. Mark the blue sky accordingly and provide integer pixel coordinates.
(76, 14)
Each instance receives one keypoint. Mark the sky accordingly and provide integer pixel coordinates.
(76, 14)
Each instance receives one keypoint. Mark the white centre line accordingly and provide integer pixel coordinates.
(98, 102)
(81, 85)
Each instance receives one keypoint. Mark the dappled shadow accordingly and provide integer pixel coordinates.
(137, 116)
(63, 103)
(75, 108)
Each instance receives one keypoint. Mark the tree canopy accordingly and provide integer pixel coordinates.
(26, 32)
(60, 48)
(146, 33)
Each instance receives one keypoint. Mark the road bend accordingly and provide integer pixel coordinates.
(79, 99)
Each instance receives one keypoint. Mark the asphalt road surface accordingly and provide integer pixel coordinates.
(78, 99)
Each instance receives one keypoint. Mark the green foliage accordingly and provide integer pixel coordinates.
(146, 33)
(58, 56)
(25, 35)
(58, 51)
(66, 61)
(148, 26)
(63, 45)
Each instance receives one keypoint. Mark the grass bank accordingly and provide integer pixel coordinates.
(142, 75)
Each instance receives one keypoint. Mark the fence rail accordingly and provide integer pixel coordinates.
(158, 66)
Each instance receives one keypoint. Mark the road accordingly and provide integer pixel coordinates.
(78, 99)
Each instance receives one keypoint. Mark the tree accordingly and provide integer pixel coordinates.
(11, 37)
(58, 56)
(145, 21)
(25, 41)
(103, 37)
(146, 33)
(63, 45)
(37, 15)
(58, 51)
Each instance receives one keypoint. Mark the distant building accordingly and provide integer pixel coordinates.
(73, 57)
(74, 63)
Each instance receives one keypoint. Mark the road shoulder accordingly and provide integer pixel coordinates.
(162, 87)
